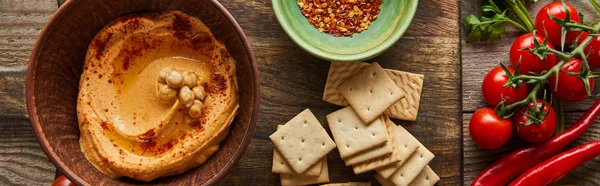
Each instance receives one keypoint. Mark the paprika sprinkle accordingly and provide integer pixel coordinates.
(340, 17)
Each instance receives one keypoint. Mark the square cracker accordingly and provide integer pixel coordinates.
(370, 92)
(281, 166)
(412, 167)
(302, 141)
(301, 179)
(353, 135)
(349, 184)
(383, 150)
(383, 181)
(411, 85)
(393, 158)
(407, 144)
(426, 178)
(339, 72)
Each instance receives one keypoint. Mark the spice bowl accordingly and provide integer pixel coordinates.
(392, 21)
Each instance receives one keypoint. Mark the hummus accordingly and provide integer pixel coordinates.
(126, 129)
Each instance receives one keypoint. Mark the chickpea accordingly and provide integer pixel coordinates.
(162, 75)
(196, 109)
(199, 92)
(165, 92)
(190, 79)
(175, 79)
(186, 96)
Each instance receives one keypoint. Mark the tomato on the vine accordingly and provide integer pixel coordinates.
(535, 132)
(62, 181)
(494, 92)
(488, 130)
(570, 88)
(529, 61)
(592, 49)
(553, 30)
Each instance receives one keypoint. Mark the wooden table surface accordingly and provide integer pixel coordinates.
(292, 80)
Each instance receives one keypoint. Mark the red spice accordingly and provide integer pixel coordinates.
(148, 135)
(104, 125)
(100, 44)
(126, 62)
(147, 145)
(219, 84)
(181, 25)
(340, 17)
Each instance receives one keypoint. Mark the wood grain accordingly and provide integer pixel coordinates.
(22, 161)
(292, 80)
(478, 58)
(20, 23)
(477, 159)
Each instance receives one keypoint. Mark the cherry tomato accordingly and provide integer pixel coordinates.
(493, 92)
(535, 132)
(529, 61)
(488, 130)
(570, 88)
(62, 181)
(592, 49)
(553, 30)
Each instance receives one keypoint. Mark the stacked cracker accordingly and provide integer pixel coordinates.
(366, 138)
(301, 148)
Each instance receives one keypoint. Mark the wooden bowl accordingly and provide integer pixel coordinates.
(57, 62)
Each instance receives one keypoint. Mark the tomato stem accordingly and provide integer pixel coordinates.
(560, 122)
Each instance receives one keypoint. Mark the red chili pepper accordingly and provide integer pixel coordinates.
(517, 162)
(558, 166)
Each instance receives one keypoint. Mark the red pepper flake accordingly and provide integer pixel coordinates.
(340, 17)
(219, 84)
(104, 125)
(181, 25)
(100, 44)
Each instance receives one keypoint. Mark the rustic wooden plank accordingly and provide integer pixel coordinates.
(20, 23)
(479, 58)
(292, 80)
(22, 161)
(477, 159)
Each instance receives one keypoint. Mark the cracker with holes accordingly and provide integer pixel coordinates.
(303, 179)
(339, 72)
(281, 166)
(425, 178)
(353, 135)
(382, 181)
(370, 154)
(411, 85)
(407, 144)
(302, 141)
(370, 92)
(412, 167)
(394, 157)
(349, 184)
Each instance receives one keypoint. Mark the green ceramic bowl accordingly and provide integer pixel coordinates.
(392, 21)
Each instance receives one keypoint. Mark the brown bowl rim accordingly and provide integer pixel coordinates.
(29, 86)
